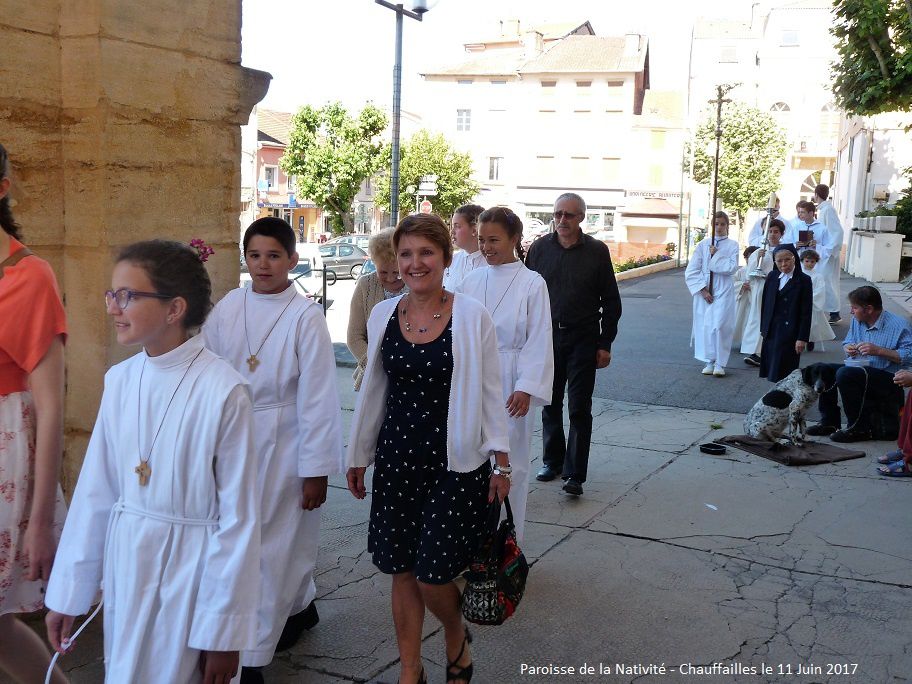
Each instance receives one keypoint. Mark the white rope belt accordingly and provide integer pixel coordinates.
(116, 511)
(266, 407)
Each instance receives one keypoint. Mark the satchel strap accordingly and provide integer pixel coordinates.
(14, 259)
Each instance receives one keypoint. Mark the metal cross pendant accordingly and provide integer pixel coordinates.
(144, 472)
(253, 362)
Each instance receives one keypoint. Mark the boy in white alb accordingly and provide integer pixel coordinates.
(714, 260)
(278, 340)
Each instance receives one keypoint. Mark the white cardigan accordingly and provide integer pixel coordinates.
(476, 420)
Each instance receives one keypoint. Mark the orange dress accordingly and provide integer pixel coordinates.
(31, 315)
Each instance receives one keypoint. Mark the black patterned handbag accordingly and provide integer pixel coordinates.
(496, 578)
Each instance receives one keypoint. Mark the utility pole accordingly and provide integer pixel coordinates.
(721, 91)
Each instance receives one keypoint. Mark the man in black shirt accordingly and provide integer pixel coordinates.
(585, 308)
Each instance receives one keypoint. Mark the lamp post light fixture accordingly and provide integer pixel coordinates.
(419, 7)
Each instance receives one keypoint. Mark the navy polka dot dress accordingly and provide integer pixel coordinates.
(424, 518)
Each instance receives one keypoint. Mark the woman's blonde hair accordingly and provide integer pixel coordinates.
(380, 247)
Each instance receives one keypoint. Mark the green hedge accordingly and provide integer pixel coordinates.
(641, 261)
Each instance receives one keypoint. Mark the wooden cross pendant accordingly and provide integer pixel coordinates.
(144, 471)
(253, 362)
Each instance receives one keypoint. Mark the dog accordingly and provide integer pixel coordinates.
(778, 416)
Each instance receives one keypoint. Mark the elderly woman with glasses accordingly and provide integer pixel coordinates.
(372, 288)
(31, 425)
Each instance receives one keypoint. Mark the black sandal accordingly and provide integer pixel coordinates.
(461, 674)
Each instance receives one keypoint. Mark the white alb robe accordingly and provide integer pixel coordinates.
(297, 433)
(517, 299)
(830, 269)
(179, 558)
(820, 324)
(751, 340)
(713, 324)
(463, 263)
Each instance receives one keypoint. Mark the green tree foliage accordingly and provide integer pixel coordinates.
(874, 71)
(753, 153)
(426, 154)
(331, 153)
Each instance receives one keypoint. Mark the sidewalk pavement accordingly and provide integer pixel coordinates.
(750, 570)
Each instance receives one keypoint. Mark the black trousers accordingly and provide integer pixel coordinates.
(860, 396)
(574, 368)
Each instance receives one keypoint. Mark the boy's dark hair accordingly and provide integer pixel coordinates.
(7, 221)
(721, 214)
(777, 223)
(274, 227)
(810, 254)
(866, 296)
(750, 249)
(822, 191)
(503, 216)
(175, 270)
(807, 206)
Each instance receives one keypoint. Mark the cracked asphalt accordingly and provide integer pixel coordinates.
(673, 566)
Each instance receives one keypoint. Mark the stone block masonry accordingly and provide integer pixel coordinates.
(122, 121)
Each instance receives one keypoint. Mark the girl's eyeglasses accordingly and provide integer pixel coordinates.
(124, 296)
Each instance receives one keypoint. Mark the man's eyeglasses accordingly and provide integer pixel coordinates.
(124, 296)
(561, 214)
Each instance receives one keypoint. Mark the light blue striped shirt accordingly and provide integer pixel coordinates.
(889, 331)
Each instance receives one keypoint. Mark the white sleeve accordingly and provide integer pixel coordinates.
(693, 274)
(536, 359)
(78, 565)
(319, 413)
(225, 617)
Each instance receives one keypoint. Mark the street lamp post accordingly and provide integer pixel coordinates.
(721, 92)
(420, 7)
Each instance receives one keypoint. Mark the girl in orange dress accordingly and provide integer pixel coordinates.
(32, 334)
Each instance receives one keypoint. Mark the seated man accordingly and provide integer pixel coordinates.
(880, 343)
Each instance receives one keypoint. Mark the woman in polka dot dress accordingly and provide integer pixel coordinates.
(430, 418)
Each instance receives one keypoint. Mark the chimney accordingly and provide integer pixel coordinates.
(509, 28)
(631, 45)
(533, 44)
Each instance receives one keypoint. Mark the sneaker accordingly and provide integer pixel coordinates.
(708, 368)
(573, 487)
(719, 372)
(846, 436)
(821, 430)
(752, 360)
(835, 318)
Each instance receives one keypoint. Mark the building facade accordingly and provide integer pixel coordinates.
(549, 109)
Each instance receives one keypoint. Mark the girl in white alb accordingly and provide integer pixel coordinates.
(517, 300)
(465, 237)
(164, 519)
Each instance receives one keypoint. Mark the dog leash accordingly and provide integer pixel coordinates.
(864, 395)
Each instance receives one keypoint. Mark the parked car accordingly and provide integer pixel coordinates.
(343, 259)
(358, 239)
(369, 267)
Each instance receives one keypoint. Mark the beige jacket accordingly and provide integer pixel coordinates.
(368, 292)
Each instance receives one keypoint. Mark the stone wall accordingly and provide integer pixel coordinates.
(122, 120)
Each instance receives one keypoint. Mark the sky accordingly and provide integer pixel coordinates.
(344, 49)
